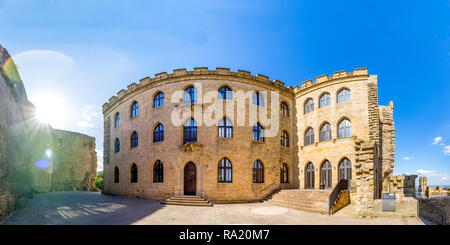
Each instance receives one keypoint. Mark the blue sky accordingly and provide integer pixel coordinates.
(80, 53)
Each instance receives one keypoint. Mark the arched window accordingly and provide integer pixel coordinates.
(345, 129)
(116, 175)
(258, 172)
(309, 178)
(284, 174)
(190, 131)
(325, 175)
(258, 99)
(284, 139)
(225, 128)
(134, 173)
(284, 109)
(225, 171)
(158, 133)
(309, 137)
(345, 171)
(325, 100)
(309, 106)
(190, 95)
(343, 95)
(225, 93)
(258, 133)
(135, 109)
(117, 145)
(158, 100)
(117, 120)
(325, 132)
(134, 139)
(158, 172)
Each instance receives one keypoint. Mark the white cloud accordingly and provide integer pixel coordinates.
(407, 158)
(426, 172)
(99, 159)
(447, 150)
(445, 178)
(437, 140)
(84, 124)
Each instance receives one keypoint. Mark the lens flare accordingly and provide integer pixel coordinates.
(42, 164)
(48, 153)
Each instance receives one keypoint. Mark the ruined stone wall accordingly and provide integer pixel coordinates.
(71, 166)
(15, 182)
(24, 164)
(402, 185)
(387, 139)
(437, 191)
(435, 209)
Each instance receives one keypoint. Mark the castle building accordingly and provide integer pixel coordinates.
(235, 137)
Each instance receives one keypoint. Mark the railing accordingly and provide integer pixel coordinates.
(442, 213)
(341, 185)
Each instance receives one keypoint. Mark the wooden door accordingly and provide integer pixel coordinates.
(190, 179)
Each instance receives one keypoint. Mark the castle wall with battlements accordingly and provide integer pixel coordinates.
(370, 123)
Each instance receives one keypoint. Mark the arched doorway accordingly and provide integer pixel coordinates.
(345, 171)
(309, 179)
(190, 179)
(325, 175)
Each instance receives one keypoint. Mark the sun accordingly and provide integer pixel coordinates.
(50, 109)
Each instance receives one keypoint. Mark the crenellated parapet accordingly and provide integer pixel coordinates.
(198, 71)
(338, 75)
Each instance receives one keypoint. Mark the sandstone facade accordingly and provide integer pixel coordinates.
(370, 147)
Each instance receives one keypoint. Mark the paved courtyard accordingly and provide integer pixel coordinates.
(90, 208)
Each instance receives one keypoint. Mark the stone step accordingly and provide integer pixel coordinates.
(187, 201)
(305, 200)
(200, 204)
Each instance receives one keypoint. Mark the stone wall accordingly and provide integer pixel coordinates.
(435, 209)
(24, 165)
(15, 181)
(437, 191)
(403, 185)
(209, 149)
(71, 166)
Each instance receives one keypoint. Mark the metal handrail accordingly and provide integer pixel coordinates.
(341, 186)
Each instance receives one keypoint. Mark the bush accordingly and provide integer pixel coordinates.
(99, 181)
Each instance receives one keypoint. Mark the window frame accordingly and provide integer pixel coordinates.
(190, 132)
(323, 132)
(225, 171)
(225, 128)
(258, 133)
(257, 172)
(225, 93)
(158, 172)
(309, 137)
(134, 141)
(309, 106)
(158, 133)
(158, 100)
(134, 109)
(346, 130)
(190, 95)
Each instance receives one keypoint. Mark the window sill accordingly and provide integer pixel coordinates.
(258, 142)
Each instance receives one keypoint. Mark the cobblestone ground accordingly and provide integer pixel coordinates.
(90, 208)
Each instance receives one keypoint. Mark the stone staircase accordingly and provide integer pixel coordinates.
(315, 201)
(185, 200)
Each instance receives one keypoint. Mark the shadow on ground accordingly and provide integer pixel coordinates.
(82, 208)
